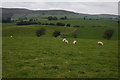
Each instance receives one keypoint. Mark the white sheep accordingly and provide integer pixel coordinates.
(100, 43)
(74, 42)
(66, 41)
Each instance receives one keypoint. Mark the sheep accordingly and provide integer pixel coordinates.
(100, 43)
(74, 42)
(66, 41)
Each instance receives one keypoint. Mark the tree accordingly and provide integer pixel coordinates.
(7, 20)
(67, 25)
(52, 18)
(65, 17)
(31, 20)
(40, 32)
(56, 33)
(108, 34)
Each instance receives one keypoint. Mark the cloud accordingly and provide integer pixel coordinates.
(80, 7)
(60, 1)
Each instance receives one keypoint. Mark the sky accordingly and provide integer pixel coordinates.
(93, 7)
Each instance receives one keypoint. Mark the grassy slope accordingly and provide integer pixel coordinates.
(38, 57)
(25, 55)
(29, 16)
(29, 30)
(85, 23)
(87, 31)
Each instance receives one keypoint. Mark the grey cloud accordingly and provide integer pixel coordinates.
(80, 7)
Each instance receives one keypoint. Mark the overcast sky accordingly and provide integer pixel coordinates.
(80, 7)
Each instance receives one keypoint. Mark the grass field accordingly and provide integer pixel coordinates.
(28, 56)
(90, 29)
(49, 57)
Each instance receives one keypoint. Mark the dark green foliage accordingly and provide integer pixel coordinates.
(67, 25)
(108, 34)
(39, 23)
(6, 20)
(118, 22)
(56, 33)
(44, 24)
(22, 22)
(40, 32)
(31, 20)
(52, 18)
(63, 18)
(60, 24)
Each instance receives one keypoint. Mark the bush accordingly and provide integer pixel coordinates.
(63, 18)
(39, 23)
(40, 32)
(22, 22)
(46, 24)
(56, 33)
(60, 24)
(108, 34)
(67, 25)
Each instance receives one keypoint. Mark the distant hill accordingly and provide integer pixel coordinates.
(26, 11)
(16, 13)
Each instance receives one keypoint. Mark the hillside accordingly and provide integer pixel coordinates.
(93, 29)
(25, 55)
(16, 13)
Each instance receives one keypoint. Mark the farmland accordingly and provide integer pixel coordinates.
(89, 29)
(27, 56)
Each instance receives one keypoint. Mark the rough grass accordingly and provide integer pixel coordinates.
(84, 23)
(89, 29)
(28, 56)
(30, 30)
(47, 57)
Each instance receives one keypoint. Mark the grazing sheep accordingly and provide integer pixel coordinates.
(74, 42)
(100, 43)
(64, 40)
